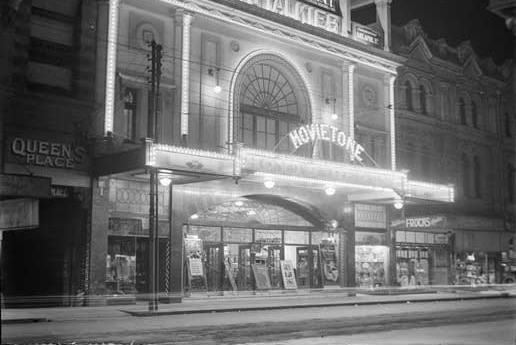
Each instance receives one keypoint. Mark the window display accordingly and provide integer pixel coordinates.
(471, 268)
(371, 263)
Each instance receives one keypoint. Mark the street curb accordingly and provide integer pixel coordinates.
(25, 320)
(315, 305)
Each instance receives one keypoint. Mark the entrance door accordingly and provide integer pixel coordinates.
(213, 266)
(244, 279)
(273, 265)
(308, 267)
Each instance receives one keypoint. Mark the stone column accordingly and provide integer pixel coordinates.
(388, 87)
(345, 9)
(348, 108)
(383, 15)
(98, 238)
(183, 21)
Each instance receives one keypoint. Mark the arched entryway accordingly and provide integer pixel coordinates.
(247, 244)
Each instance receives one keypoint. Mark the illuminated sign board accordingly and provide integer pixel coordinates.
(46, 153)
(309, 133)
(419, 222)
(303, 12)
(366, 35)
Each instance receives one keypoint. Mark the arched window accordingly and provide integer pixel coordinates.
(462, 112)
(272, 101)
(465, 175)
(511, 192)
(474, 115)
(408, 95)
(508, 129)
(477, 176)
(422, 99)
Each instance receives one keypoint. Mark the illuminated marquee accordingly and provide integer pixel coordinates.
(302, 12)
(309, 133)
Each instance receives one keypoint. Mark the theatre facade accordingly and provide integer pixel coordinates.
(263, 159)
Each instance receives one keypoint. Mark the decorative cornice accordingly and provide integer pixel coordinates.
(330, 43)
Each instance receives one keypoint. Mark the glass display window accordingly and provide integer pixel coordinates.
(238, 235)
(297, 237)
(371, 265)
(206, 233)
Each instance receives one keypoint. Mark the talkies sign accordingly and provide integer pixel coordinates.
(303, 12)
(50, 154)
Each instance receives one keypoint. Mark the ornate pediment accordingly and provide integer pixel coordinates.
(419, 50)
(471, 68)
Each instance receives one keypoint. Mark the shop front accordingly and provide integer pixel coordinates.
(44, 219)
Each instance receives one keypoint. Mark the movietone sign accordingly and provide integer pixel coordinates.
(46, 153)
(303, 12)
(316, 131)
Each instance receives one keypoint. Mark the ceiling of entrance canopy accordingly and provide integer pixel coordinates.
(243, 210)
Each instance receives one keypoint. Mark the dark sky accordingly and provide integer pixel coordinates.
(457, 21)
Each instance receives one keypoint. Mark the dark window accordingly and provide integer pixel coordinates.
(511, 192)
(462, 112)
(408, 95)
(477, 175)
(508, 129)
(465, 175)
(474, 115)
(422, 99)
(129, 129)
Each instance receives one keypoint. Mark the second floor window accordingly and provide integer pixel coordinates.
(422, 99)
(474, 115)
(477, 176)
(466, 182)
(129, 121)
(408, 95)
(462, 112)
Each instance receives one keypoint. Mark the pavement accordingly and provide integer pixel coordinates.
(267, 300)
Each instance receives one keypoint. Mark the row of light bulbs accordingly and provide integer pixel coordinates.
(329, 190)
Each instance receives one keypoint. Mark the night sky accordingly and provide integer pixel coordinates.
(457, 21)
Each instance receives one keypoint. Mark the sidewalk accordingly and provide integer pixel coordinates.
(262, 301)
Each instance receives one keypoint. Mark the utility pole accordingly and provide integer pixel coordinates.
(152, 121)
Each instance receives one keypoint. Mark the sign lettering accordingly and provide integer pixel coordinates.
(309, 133)
(302, 12)
(48, 154)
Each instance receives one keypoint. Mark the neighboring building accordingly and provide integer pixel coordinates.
(46, 105)
(275, 131)
(455, 124)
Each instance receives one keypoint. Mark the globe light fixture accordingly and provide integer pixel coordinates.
(239, 203)
(194, 216)
(165, 181)
(269, 184)
(217, 89)
(398, 204)
(330, 191)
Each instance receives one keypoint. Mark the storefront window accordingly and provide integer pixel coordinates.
(471, 268)
(412, 266)
(206, 233)
(297, 237)
(371, 263)
(240, 235)
(267, 236)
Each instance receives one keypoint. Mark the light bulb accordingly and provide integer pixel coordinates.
(165, 181)
(334, 116)
(329, 190)
(217, 89)
(239, 203)
(398, 204)
(269, 184)
(194, 216)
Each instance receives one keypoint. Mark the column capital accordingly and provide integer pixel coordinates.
(181, 16)
(382, 2)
